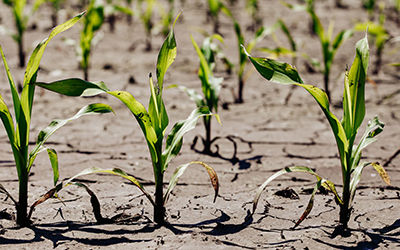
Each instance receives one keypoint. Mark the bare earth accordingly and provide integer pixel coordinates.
(268, 134)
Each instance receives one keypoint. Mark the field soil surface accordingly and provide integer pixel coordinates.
(256, 139)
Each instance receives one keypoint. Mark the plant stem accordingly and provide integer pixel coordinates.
(86, 73)
(345, 209)
(239, 98)
(326, 83)
(22, 216)
(159, 209)
(21, 52)
(207, 141)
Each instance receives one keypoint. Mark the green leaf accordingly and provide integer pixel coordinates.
(30, 77)
(166, 56)
(56, 124)
(14, 92)
(74, 87)
(7, 120)
(158, 113)
(37, 54)
(374, 128)
(286, 31)
(174, 139)
(54, 164)
(283, 73)
(181, 169)
(211, 86)
(77, 87)
(341, 37)
(354, 89)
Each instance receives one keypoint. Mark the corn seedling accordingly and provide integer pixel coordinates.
(112, 8)
(329, 47)
(210, 87)
(146, 16)
(215, 7)
(153, 124)
(345, 132)
(167, 16)
(18, 130)
(252, 6)
(92, 22)
(369, 6)
(21, 22)
(380, 35)
(259, 35)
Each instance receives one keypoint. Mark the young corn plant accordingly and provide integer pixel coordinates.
(215, 7)
(210, 87)
(153, 123)
(345, 131)
(146, 16)
(329, 47)
(259, 35)
(21, 21)
(167, 16)
(92, 22)
(252, 6)
(18, 130)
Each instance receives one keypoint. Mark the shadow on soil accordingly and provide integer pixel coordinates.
(243, 163)
(63, 232)
(377, 237)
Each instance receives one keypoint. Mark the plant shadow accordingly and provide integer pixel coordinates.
(377, 236)
(242, 163)
(62, 232)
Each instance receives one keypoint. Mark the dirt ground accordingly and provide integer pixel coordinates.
(267, 134)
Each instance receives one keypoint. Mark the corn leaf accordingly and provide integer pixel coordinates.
(381, 171)
(283, 73)
(37, 54)
(354, 97)
(30, 77)
(15, 96)
(210, 85)
(309, 205)
(49, 194)
(78, 87)
(54, 164)
(117, 172)
(174, 139)
(374, 128)
(56, 124)
(357, 176)
(7, 121)
(74, 87)
(181, 169)
(166, 55)
(303, 169)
